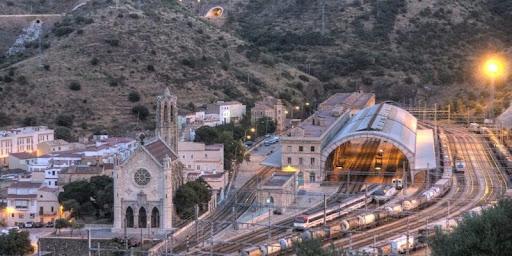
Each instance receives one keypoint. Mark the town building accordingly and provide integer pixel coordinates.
(205, 161)
(31, 202)
(24, 139)
(218, 182)
(277, 191)
(301, 145)
(228, 111)
(80, 172)
(59, 145)
(20, 160)
(272, 108)
(199, 157)
(145, 183)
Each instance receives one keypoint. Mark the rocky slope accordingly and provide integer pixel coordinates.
(96, 56)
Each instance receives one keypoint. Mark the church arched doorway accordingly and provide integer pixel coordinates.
(155, 218)
(142, 218)
(129, 217)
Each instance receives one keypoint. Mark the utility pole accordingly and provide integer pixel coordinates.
(407, 245)
(211, 239)
(325, 211)
(269, 225)
(196, 217)
(426, 236)
(89, 241)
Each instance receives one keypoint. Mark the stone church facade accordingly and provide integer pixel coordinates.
(144, 185)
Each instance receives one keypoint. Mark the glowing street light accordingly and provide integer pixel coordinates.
(493, 68)
(253, 129)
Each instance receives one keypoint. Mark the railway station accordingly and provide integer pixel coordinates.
(352, 139)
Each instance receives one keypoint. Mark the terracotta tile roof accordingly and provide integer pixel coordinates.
(22, 155)
(159, 150)
(25, 184)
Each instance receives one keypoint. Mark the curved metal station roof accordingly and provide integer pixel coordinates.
(383, 120)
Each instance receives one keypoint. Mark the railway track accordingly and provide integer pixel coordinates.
(363, 161)
(242, 200)
(468, 191)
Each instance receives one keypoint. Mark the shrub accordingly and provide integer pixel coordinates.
(62, 31)
(64, 120)
(94, 61)
(112, 42)
(150, 68)
(63, 133)
(133, 96)
(75, 86)
(29, 121)
(46, 66)
(4, 119)
(191, 63)
(141, 112)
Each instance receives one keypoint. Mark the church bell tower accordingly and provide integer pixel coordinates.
(167, 119)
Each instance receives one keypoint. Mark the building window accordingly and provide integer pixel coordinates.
(301, 148)
(199, 167)
(289, 160)
(312, 177)
(300, 160)
(289, 148)
(312, 148)
(205, 155)
(32, 215)
(312, 161)
(183, 157)
(52, 208)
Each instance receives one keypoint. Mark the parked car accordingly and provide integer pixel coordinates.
(29, 224)
(38, 225)
(50, 224)
(248, 143)
(278, 211)
(271, 141)
(7, 229)
(20, 224)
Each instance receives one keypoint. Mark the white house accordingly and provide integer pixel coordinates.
(228, 111)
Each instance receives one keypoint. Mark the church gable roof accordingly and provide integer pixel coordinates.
(159, 150)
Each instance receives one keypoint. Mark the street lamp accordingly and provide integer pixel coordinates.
(493, 68)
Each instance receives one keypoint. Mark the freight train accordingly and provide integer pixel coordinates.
(360, 221)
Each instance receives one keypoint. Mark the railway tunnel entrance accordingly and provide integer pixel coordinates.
(366, 160)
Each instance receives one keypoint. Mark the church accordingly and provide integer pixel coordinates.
(144, 184)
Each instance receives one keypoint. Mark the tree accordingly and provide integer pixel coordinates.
(487, 234)
(193, 193)
(63, 133)
(4, 119)
(265, 125)
(207, 135)
(29, 121)
(141, 112)
(89, 198)
(61, 223)
(134, 96)
(64, 120)
(75, 86)
(15, 243)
